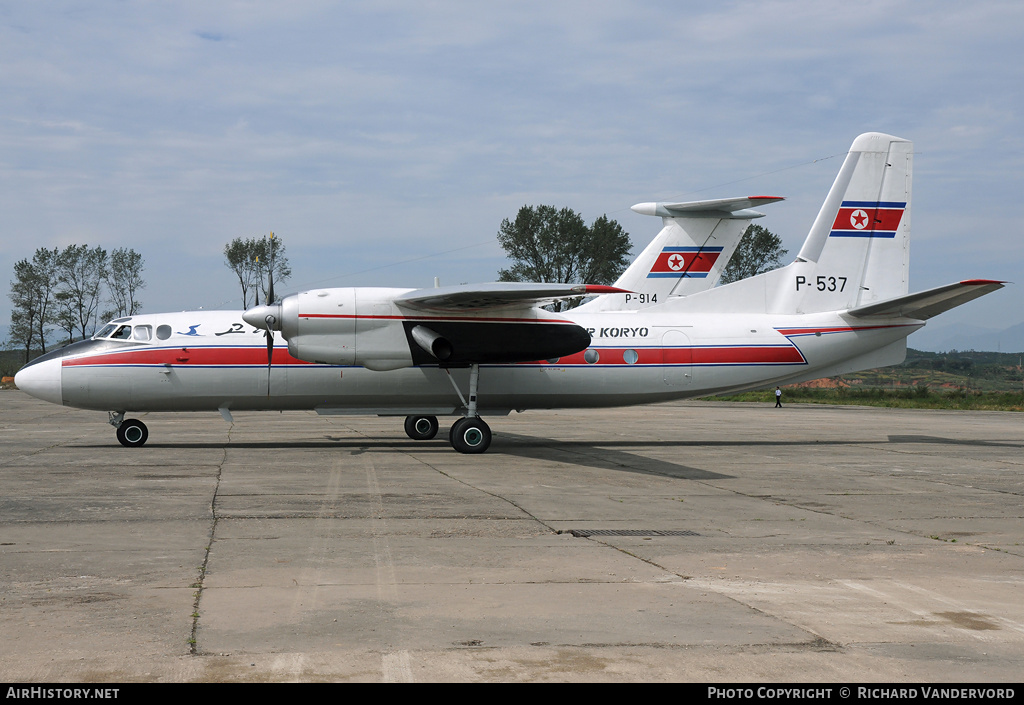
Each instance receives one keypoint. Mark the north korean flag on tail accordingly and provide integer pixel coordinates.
(689, 262)
(868, 219)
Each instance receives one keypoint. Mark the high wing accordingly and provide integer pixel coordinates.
(480, 297)
(931, 302)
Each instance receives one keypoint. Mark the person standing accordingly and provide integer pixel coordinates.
(778, 398)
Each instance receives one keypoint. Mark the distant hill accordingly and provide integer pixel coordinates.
(965, 371)
(11, 361)
(942, 338)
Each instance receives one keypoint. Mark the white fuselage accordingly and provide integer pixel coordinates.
(211, 360)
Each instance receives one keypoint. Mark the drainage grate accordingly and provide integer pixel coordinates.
(585, 533)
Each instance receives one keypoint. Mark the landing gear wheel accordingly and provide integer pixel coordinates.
(132, 433)
(421, 428)
(470, 435)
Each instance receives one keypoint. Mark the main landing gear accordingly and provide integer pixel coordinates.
(131, 433)
(421, 428)
(470, 434)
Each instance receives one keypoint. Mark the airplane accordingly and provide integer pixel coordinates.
(663, 331)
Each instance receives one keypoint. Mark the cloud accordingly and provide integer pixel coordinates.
(360, 130)
(211, 36)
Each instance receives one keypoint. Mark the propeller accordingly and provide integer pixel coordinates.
(270, 319)
(267, 315)
(270, 272)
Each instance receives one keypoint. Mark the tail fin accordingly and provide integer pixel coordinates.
(857, 255)
(689, 254)
(858, 250)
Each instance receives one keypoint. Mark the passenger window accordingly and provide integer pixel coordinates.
(143, 333)
(123, 333)
(163, 332)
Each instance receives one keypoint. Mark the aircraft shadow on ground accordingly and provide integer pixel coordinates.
(605, 455)
(581, 453)
(601, 456)
(610, 455)
(940, 440)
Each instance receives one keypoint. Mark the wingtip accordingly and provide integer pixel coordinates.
(604, 289)
(983, 282)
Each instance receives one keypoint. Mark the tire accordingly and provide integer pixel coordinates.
(421, 428)
(132, 433)
(470, 435)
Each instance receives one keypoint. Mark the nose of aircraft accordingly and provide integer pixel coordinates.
(41, 380)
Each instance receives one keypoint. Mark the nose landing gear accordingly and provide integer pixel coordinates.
(131, 433)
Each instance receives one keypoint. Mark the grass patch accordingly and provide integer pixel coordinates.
(915, 397)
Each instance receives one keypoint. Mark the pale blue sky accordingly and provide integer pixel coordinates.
(384, 142)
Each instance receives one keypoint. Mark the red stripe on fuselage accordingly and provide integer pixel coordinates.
(257, 357)
(710, 355)
(199, 355)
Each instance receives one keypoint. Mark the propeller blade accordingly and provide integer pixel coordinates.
(270, 347)
(269, 320)
(270, 276)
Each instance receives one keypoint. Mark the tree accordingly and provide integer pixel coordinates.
(80, 272)
(251, 258)
(32, 293)
(124, 281)
(759, 250)
(270, 255)
(65, 287)
(550, 245)
(239, 258)
(21, 332)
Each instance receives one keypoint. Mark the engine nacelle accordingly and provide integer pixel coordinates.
(349, 326)
(364, 326)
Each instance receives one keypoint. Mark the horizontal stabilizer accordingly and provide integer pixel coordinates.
(717, 208)
(688, 255)
(925, 304)
(477, 297)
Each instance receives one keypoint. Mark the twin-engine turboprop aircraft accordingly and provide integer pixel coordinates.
(661, 332)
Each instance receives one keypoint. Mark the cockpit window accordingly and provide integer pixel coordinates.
(143, 333)
(105, 331)
(163, 332)
(122, 333)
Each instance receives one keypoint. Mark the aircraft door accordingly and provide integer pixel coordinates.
(677, 357)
